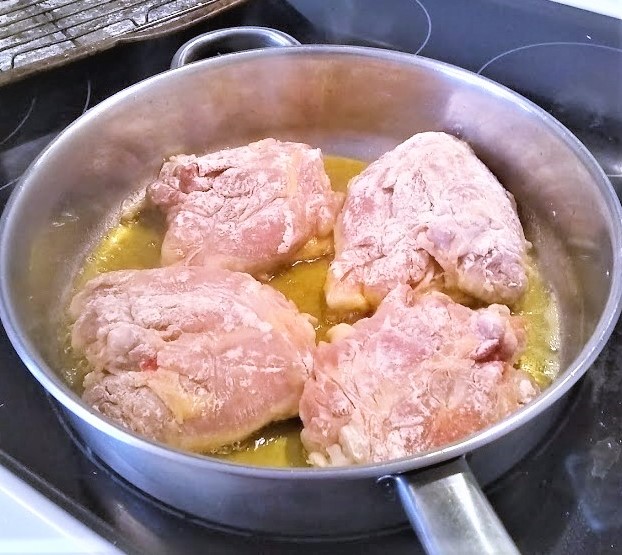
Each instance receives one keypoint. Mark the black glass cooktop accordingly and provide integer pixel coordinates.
(565, 496)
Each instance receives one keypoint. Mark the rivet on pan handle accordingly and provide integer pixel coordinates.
(227, 41)
(449, 511)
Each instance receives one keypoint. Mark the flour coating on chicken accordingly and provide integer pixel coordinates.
(427, 211)
(420, 373)
(195, 357)
(251, 209)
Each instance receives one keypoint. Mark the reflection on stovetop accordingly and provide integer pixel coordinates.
(564, 496)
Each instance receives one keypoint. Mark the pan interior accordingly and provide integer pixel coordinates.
(347, 102)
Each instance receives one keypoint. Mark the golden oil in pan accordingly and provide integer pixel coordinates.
(136, 244)
(541, 315)
(132, 245)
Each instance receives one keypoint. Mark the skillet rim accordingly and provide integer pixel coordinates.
(54, 384)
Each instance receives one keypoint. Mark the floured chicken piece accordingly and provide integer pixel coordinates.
(422, 372)
(427, 211)
(194, 357)
(249, 209)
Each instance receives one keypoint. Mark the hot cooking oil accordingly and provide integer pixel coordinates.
(136, 244)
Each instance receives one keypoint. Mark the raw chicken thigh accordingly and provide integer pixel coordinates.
(193, 357)
(250, 209)
(427, 211)
(423, 371)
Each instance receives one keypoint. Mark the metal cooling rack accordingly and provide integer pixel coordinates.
(36, 34)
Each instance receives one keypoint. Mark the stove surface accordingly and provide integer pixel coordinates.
(565, 496)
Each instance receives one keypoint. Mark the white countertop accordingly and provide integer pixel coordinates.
(612, 8)
(31, 523)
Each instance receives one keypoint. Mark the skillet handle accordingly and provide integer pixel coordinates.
(449, 511)
(226, 41)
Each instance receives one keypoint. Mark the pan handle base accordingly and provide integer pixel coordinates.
(449, 511)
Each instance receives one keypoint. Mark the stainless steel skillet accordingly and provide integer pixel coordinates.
(350, 101)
